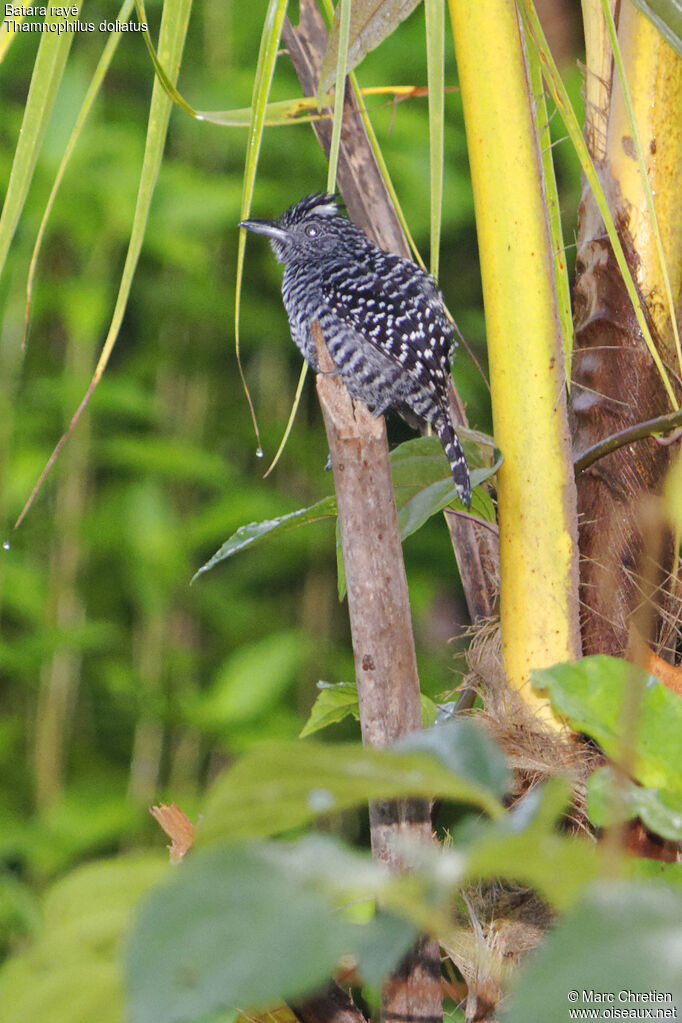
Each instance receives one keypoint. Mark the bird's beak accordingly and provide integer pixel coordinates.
(267, 227)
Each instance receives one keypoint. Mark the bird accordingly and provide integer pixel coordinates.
(382, 316)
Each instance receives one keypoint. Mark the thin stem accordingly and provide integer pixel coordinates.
(662, 424)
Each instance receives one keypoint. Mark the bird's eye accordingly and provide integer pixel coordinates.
(311, 231)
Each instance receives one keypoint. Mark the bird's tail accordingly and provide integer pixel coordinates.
(455, 456)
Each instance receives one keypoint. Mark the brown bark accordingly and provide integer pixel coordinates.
(615, 385)
(383, 647)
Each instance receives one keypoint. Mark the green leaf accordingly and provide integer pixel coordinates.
(435, 68)
(47, 75)
(591, 694)
(562, 283)
(524, 847)
(415, 464)
(262, 82)
(255, 531)
(71, 974)
(464, 748)
(342, 22)
(612, 800)
(667, 17)
(174, 22)
(280, 786)
(637, 868)
(64, 992)
(250, 681)
(334, 703)
(339, 700)
(91, 95)
(560, 96)
(623, 940)
(424, 486)
(384, 944)
(371, 22)
(234, 927)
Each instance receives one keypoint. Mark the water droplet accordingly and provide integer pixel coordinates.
(259, 452)
(6, 545)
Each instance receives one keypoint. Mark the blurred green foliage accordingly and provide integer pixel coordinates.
(121, 684)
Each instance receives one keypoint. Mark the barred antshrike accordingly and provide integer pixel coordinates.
(382, 317)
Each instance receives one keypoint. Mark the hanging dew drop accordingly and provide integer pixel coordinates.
(259, 452)
(6, 545)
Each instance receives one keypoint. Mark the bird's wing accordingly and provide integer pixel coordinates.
(398, 310)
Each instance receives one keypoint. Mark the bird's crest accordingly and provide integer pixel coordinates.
(319, 204)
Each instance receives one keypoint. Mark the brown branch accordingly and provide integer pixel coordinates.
(383, 646)
(661, 424)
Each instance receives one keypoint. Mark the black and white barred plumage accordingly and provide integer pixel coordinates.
(382, 317)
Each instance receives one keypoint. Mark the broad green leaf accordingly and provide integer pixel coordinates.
(71, 973)
(591, 694)
(280, 786)
(47, 75)
(383, 945)
(234, 927)
(434, 498)
(667, 17)
(623, 939)
(557, 866)
(637, 868)
(612, 800)
(421, 459)
(371, 22)
(250, 681)
(465, 749)
(423, 487)
(167, 457)
(247, 535)
(61, 992)
(423, 483)
(200, 940)
(339, 700)
(524, 847)
(335, 702)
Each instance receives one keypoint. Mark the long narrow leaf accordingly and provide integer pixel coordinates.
(255, 531)
(174, 23)
(374, 142)
(47, 74)
(339, 92)
(562, 284)
(265, 69)
(560, 96)
(90, 97)
(667, 17)
(372, 21)
(435, 67)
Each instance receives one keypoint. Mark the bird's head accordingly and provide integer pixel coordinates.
(311, 228)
